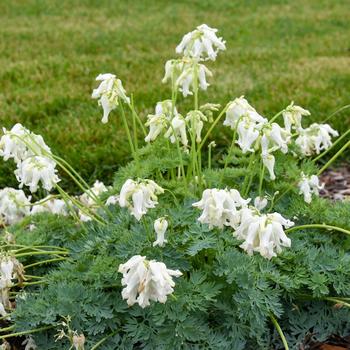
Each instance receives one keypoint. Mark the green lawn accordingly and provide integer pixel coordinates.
(51, 51)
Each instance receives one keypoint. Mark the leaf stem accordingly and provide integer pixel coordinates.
(280, 332)
(323, 226)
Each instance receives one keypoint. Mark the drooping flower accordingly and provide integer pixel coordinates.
(6, 272)
(220, 207)
(202, 43)
(139, 196)
(14, 205)
(50, 205)
(274, 138)
(177, 130)
(260, 203)
(29, 344)
(3, 312)
(112, 200)
(37, 169)
(79, 341)
(263, 233)
(196, 120)
(292, 116)
(315, 138)
(247, 134)
(208, 109)
(20, 143)
(159, 121)
(146, 280)
(160, 226)
(269, 162)
(239, 108)
(309, 185)
(186, 74)
(109, 93)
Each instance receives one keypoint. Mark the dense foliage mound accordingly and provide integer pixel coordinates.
(227, 248)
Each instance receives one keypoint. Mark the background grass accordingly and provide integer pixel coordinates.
(51, 52)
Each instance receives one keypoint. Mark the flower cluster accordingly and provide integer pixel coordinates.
(220, 207)
(146, 280)
(109, 92)
(33, 157)
(139, 196)
(262, 233)
(315, 138)
(309, 185)
(14, 205)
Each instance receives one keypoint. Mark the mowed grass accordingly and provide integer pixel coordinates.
(51, 52)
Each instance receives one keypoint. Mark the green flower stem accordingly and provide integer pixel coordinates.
(280, 332)
(45, 262)
(261, 177)
(103, 340)
(209, 157)
(329, 149)
(7, 328)
(212, 127)
(52, 252)
(333, 158)
(336, 112)
(323, 226)
(33, 277)
(136, 144)
(127, 130)
(250, 175)
(26, 332)
(276, 116)
(338, 301)
(136, 116)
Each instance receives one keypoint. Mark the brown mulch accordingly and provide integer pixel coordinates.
(337, 183)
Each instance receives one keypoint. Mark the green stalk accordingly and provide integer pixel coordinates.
(209, 157)
(249, 178)
(280, 332)
(276, 116)
(261, 178)
(329, 149)
(336, 112)
(103, 340)
(333, 158)
(212, 127)
(26, 332)
(323, 226)
(7, 328)
(127, 130)
(44, 262)
(136, 116)
(338, 301)
(41, 253)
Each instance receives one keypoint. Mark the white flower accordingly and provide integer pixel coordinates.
(37, 169)
(7, 272)
(78, 341)
(185, 74)
(196, 119)
(316, 138)
(220, 207)
(160, 226)
(239, 108)
(292, 115)
(269, 163)
(19, 143)
(247, 134)
(14, 205)
(202, 43)
(109, 92)
(139, 196)
(159, 121)
(177, 129)
(3, 312)
(112, 200)
(29, 344)
(146, 280)
(260, 203)
(53, 205)
(88, 198)
(274, 138)
(309, 185)
(263, 233)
